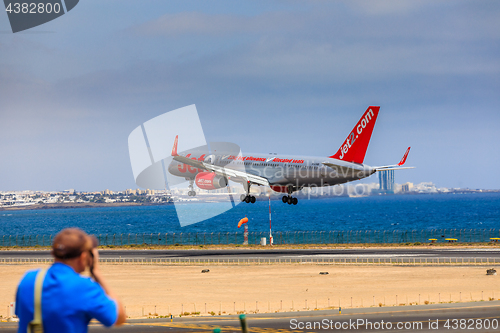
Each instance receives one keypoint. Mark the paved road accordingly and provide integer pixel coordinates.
(424, 318)
(277, 254)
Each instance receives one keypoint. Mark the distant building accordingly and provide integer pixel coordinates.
(407, 187)
(386, 181)
(425, 187)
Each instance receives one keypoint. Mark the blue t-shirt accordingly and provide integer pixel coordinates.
(69, 301)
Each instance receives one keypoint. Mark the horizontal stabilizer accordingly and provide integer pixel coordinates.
(391, 167)
(396, 166)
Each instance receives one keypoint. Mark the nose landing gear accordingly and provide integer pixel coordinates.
(191, 192)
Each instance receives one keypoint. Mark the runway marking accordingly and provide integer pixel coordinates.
(223, 328)
(364, 256)
(409, 310)
(469, 250)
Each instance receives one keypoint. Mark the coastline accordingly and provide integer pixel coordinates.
(79, 205)
(276, 197)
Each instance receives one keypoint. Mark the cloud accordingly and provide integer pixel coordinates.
(197, 23)
(324, 43)
(280, 76)
(390, 7)
(189, 23)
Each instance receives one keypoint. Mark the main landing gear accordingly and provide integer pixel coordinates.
(247, 198)
(289, 200)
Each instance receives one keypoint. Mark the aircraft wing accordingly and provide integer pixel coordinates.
(231, 173)
(226, 172)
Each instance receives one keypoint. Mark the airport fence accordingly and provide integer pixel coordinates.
(452, 261)
(279, 237)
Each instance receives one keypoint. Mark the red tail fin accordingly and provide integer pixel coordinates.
(354, 147)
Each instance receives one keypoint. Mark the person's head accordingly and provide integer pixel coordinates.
(73, 247)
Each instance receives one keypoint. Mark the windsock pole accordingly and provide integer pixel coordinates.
(270, 232)
(245, 235)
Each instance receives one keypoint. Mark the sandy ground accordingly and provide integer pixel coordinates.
(231, 289)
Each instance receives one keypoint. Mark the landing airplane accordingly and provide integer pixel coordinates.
(284, 174)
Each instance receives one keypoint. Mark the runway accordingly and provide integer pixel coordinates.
(418, 318)
(277, 254)
(424, 318)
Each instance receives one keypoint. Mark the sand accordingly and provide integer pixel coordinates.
(255, 288)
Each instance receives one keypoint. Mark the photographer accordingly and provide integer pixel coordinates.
(67, 301)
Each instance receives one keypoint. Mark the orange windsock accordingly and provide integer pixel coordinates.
(242, 221)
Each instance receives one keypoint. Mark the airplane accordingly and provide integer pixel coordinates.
(283, 174)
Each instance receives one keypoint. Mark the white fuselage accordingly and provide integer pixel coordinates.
(279, 170)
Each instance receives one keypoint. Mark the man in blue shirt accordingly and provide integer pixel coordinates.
(69, 300)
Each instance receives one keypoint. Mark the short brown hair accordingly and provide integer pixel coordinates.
(71, 242)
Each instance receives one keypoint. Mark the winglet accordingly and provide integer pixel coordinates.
(403, 160)
(174, 148)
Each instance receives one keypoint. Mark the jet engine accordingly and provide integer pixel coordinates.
(210, 181)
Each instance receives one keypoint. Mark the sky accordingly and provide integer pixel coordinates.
(291, 77)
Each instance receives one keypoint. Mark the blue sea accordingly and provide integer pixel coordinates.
(390, 212)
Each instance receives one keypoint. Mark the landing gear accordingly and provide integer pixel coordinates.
(288, 198)
(247, 198)
(191, 192)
